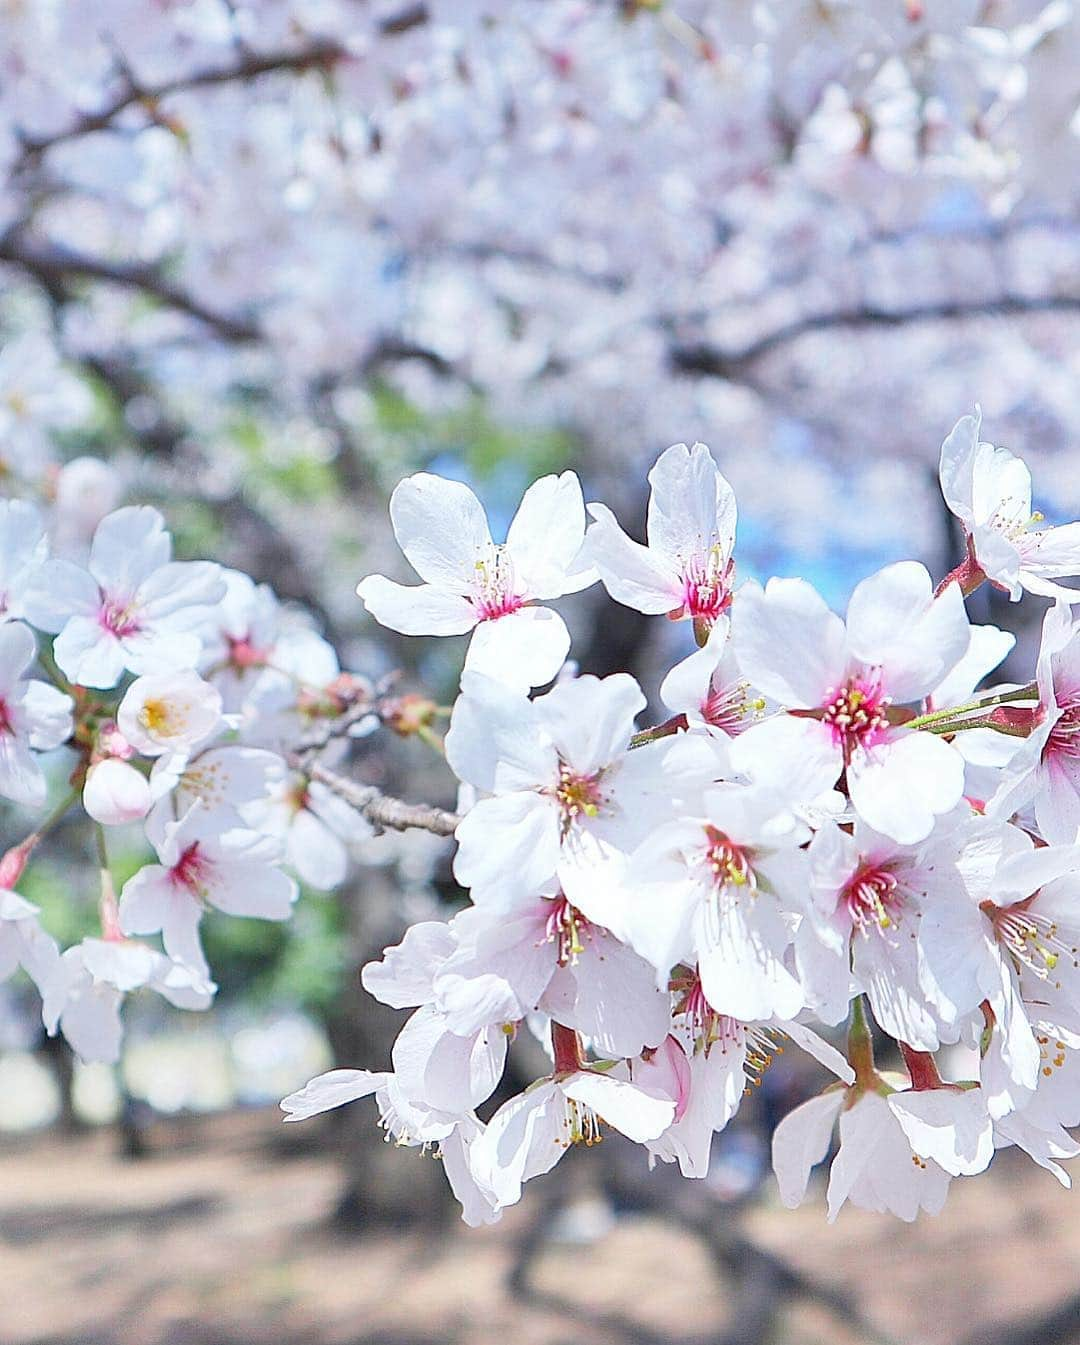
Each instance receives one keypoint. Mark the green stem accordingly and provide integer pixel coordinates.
(664, 730)
(49, 663)
(102, 847)
(860, 1043)
(1013, 730)
(1025, 693)
(57, 813)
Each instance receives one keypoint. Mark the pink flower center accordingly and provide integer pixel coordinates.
(1064, 737)
(6, 726)
(578, 795)
(729, 864)
(707, 585)
(495, 586)
(243, 653)
(118, 617)
(568, 929)
(710, 1029)
(856, 714)
(191, 870)
(873, 899)
(727, 708)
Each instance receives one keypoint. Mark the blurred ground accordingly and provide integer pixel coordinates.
(222, 1238)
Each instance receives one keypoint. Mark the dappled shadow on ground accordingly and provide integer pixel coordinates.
(223, 1236)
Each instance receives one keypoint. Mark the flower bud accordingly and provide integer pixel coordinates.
(116, 793)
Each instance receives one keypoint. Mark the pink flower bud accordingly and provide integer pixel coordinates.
(112, 743)
(14, 861)
(116, 793)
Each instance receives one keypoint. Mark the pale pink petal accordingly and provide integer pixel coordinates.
(801, 1141)
(330, 1090)
(895, 623)
(788, 643)
(524, 649)
(441, 527)
(546, 535)
(691, 505)
(638, 1113)
(633, 575)
(900, 786)
(417, 609)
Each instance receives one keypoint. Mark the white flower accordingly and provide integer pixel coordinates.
(23, 550)
(450, 1062)
(546, 956)
(721, 889)
(169, 712)
(23, 943)
(86, 993)
(1044, 770)
(312, 824)
(252, 644)
(899, 643)
(529, 1134)
(901, 918)
(408, 1124)
(133, 608)
(989, 491)
(33, 715)
(569, 799)
(710, 690)
(898, 1149)
(686, 571)
(204, 862)
(472, 583)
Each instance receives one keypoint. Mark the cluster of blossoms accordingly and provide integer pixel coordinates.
(175, 695)
(833, 825)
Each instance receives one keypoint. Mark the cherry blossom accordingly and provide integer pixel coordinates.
(844, 685)
(84, 996)
(203, 862)
(686, 571)
(989, 491)
(132, 608)
(34, 716)
(23, 549)
(472, 584)
(529, 1134)
(721, 890)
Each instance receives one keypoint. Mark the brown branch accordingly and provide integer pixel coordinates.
(380, 809)
(706, 359)
(320, 54)
(53, 266)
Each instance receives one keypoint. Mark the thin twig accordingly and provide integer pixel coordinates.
(380, 809)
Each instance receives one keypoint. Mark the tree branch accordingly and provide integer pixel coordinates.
(54, 266)
(382, 811)
(706, 359)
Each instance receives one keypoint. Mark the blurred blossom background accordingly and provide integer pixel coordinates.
(259, 259)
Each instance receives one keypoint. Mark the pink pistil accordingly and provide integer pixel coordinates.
(1064, 737)
(191, 869)
(855, 714)
(872, 898)
(495, 591)
(707, 589)
(568, 929)
(117, 618)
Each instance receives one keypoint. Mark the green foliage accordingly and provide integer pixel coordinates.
(467, 432)
(302, 962)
